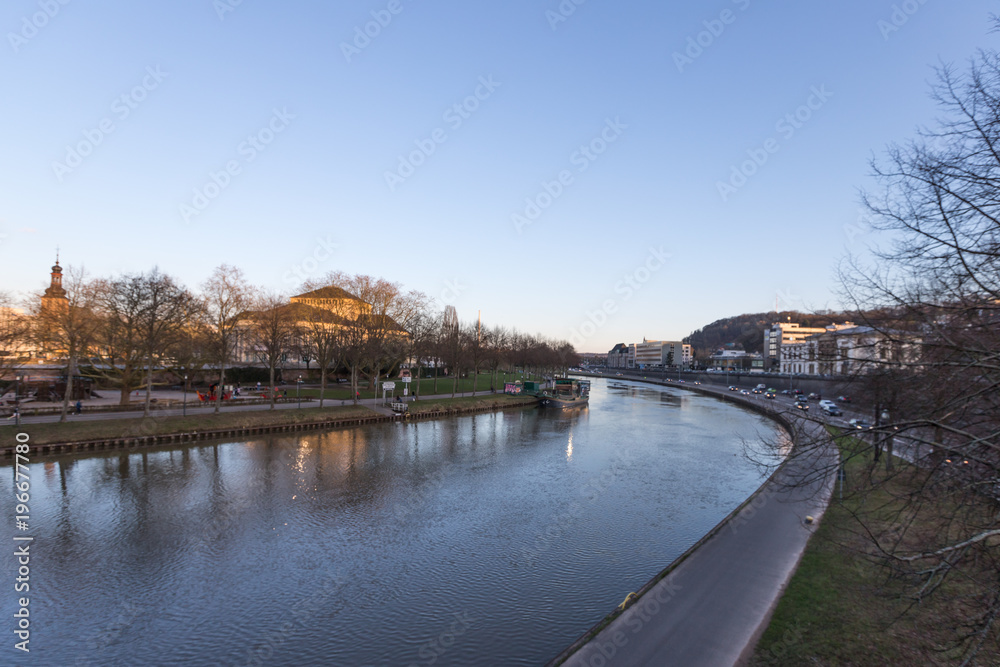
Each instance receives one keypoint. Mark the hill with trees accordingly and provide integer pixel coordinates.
(746, 332)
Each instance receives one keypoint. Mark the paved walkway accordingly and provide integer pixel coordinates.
(711, 609)
(195, 408)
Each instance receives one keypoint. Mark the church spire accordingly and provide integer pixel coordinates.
(55, 295)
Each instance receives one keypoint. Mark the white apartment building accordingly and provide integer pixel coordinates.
(847, 350)
(785, 333)
(662, 354)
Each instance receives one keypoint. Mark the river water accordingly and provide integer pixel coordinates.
(493, 539)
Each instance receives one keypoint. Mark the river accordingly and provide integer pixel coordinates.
(487, 539)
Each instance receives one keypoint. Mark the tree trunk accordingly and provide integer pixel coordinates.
(149, 387)
(70, 372)
(220, 389)
(322, 384)
(272, 386)
(354, 383)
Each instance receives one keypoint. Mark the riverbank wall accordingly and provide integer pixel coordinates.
(136, 442)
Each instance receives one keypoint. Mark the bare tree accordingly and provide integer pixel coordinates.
(168, 309)
(227, 297)
(270, 330)
(475, 345)
(65, 326)
(117, 351)
(423, 335)
(321, 333)
(497, 351)
(933, 297)
(14, 336)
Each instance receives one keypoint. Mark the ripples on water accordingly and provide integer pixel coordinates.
(489, 539)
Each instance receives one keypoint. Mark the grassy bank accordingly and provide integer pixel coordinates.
(105, 429)
(495, 401)
(427, 387)
(51, 433)
(842, 607)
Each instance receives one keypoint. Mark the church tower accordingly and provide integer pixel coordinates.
(55, 296)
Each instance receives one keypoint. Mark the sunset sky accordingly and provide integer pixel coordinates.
(646, 167)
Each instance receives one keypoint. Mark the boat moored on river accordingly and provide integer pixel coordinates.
(565, 393)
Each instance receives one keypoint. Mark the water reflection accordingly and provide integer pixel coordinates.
(372, 542)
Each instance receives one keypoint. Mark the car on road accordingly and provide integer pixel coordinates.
(802, 404)
(744, 392)
(758, 390)
(786, 392)
(696, 382)
(813, 396)
(732, 388)
(844, 399)
(618, 375)
(797, 392)
(770, 394)
(860, 424)
(831, 410)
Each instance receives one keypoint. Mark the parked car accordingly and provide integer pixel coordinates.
(860, 424)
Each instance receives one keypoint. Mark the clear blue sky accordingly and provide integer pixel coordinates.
(199, 77)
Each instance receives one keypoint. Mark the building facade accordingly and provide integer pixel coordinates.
(848, 349)
(658, 354)
(618, 356)
(784, 333)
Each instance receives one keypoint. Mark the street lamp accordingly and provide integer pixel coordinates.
(17, 402)
(298, 383)
(185, 393)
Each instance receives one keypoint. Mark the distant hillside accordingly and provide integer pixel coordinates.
(746, 332)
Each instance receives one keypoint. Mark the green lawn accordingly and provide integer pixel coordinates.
(495, 401)
(841, 608)
(427, 388)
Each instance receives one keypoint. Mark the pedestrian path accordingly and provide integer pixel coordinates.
(196, 408)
